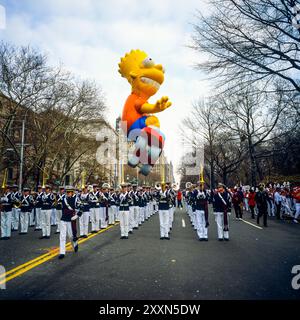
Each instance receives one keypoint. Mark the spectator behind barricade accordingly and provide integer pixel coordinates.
(277, 201)
(179, 199)
(252, 202)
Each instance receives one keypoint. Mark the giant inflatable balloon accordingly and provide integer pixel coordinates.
(138, 120)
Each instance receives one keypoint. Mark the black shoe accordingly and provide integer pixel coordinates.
(22, 233)
(57, 232)
(3, 238)
(226, 239)
(220, 239)
(61, 256)
(205, 239)
(94, 231)
(42, 237)
(37, 229)
(47, 237)
(7, 238)
(167, 238)
(126, 237)
(161, 238)
(14, 230)
(76, 248)
(84, 236)
(130, 232)
(122, 238)
(135, 228)
(201, 239)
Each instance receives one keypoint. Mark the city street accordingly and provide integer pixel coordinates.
(255, 264)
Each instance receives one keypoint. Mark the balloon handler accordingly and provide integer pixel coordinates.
(138, 121)
(70, 213)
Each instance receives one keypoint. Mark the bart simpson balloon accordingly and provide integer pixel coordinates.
(141, 125)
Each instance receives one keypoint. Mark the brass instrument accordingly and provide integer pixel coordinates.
(45, 177)
(201, 175)
(83, 175)
(4, 182)
(157, 186)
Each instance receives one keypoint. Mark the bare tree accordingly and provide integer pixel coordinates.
(202, 127)
(250, 41)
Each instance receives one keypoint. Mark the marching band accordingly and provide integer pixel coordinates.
(131, 206)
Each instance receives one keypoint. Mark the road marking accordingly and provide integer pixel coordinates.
(251, 224)
(183, 223)
(25, 267)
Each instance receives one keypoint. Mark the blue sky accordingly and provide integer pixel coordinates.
(89, 36)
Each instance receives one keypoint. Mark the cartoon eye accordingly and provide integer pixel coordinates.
(148, 62)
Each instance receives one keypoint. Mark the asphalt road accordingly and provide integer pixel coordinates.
(254, 264)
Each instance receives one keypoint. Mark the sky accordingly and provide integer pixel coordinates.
(90, 36)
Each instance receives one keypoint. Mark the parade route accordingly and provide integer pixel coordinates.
(254, 264)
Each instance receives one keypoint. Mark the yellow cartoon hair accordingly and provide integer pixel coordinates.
(131, 63)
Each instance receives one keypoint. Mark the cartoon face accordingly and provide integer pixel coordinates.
(142, 72)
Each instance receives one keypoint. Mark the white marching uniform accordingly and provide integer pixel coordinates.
(164, 213)
(6, 214)
(85, 217)
(26, 209)
(47, 199)
(221, 201)
(94, 210)
(67, 225)
(124, 214)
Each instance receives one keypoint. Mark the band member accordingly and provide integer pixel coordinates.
(222, 207)
(201, 212)
(104, 205)
(172, 203)
(26, 208)
(135, 206)
(124, 211)
(261, 199)
(94, 209)
(59, 198)
(68, 221)
(53, 220)
(85, 208)
(117, 200)
(6, 202)
(164, 212)
(38, 209)
(31, 213)
(16, 210)
(112, 207)
(47, 203)
(141, 205)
